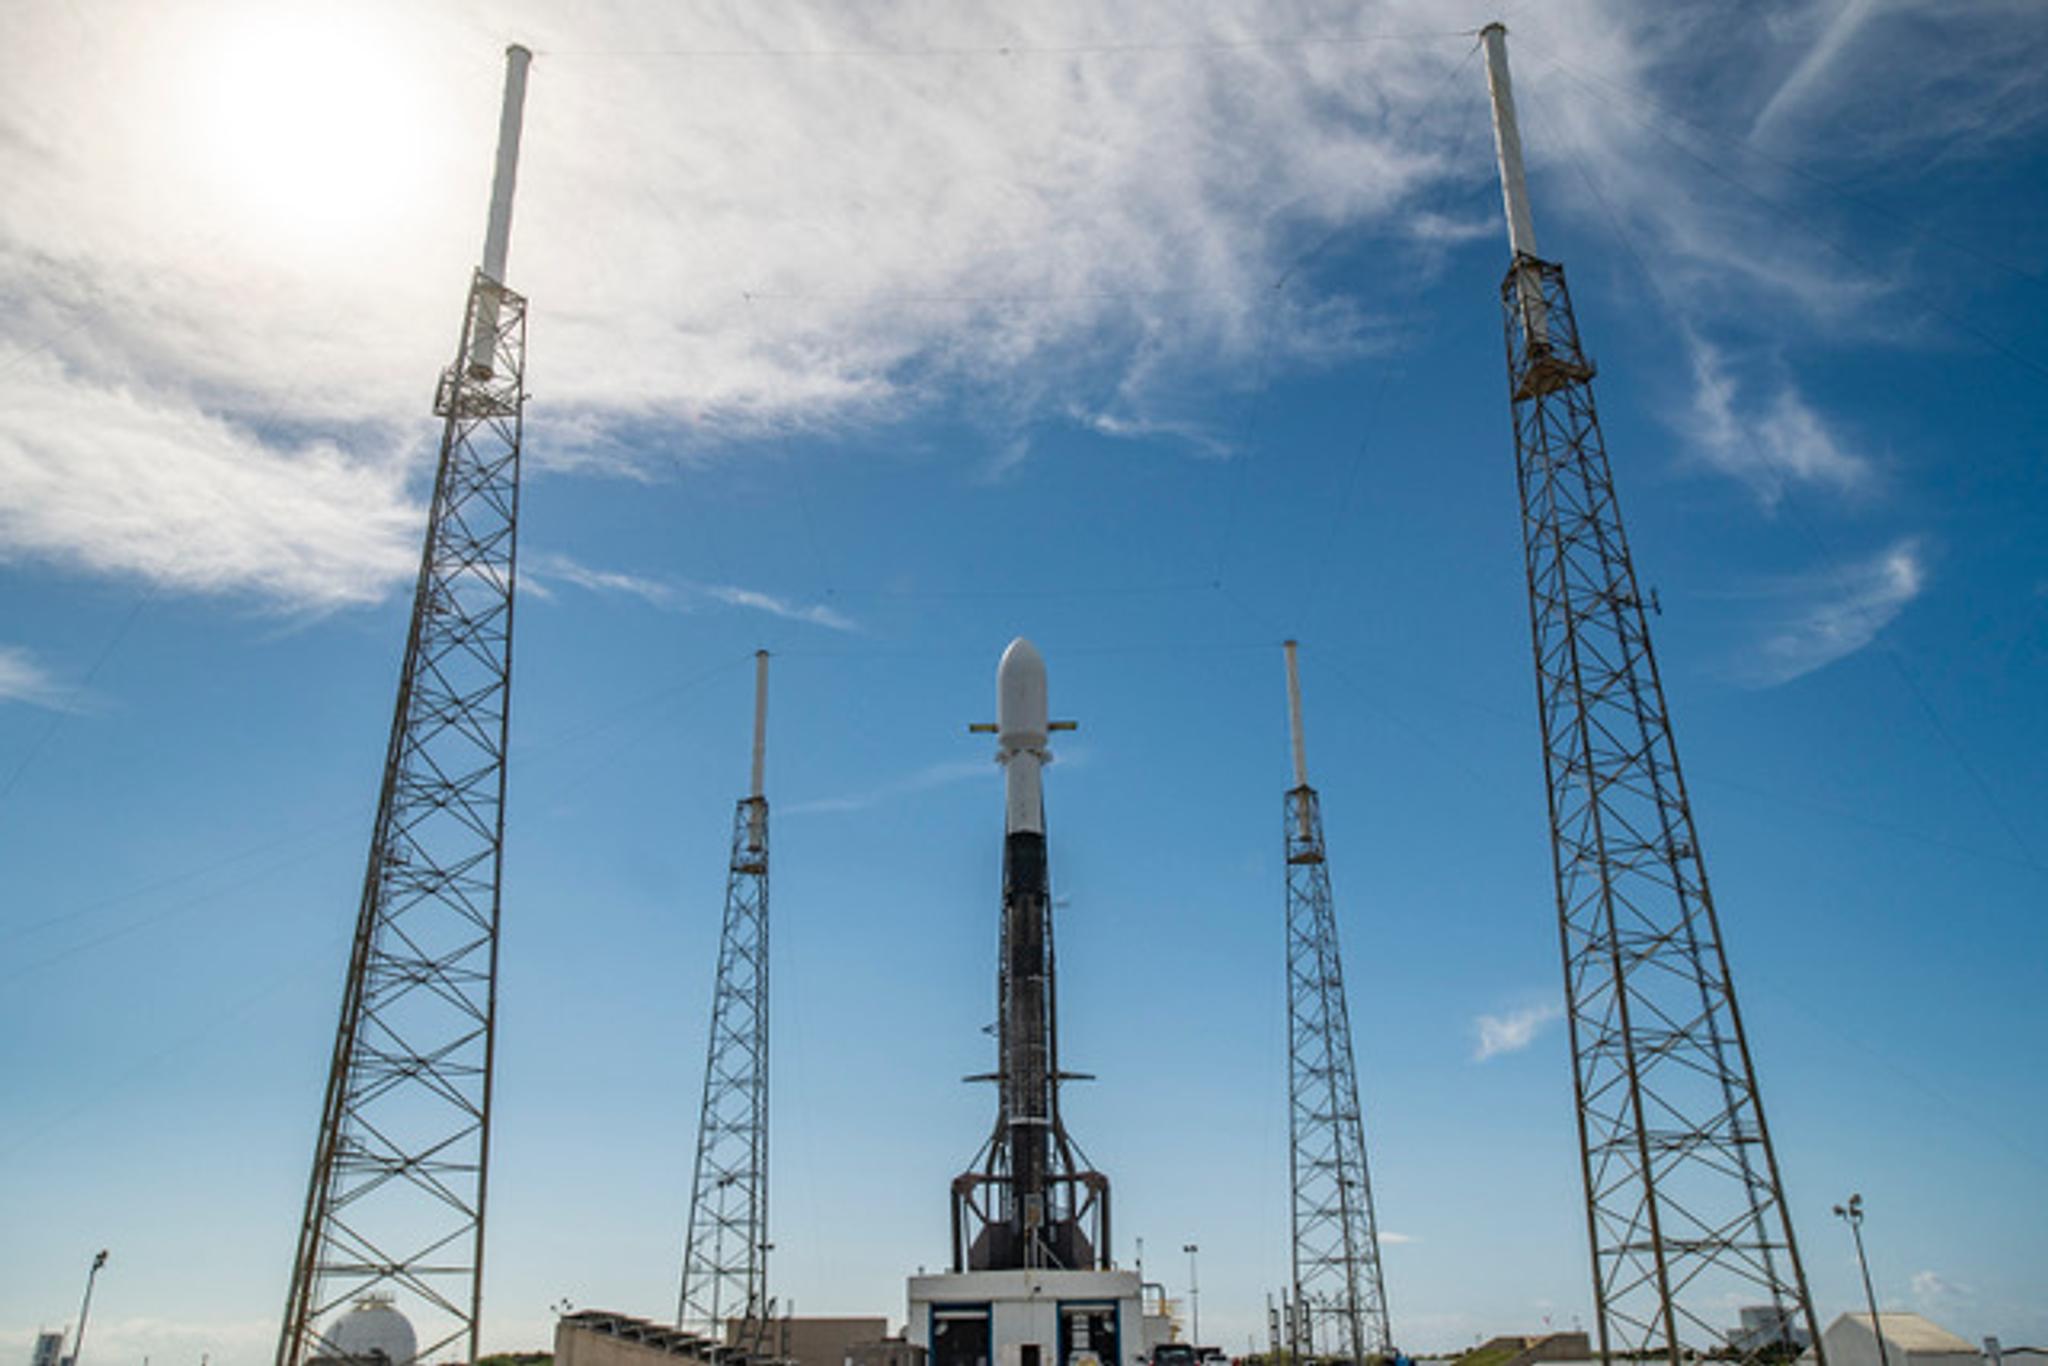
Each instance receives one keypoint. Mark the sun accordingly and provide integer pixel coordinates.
(310, 122)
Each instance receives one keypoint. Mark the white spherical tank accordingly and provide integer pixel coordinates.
(373, 1328)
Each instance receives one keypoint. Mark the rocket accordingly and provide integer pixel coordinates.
(1027, 1044)
(1050, 1206)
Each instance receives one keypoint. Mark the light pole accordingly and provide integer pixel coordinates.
(85, 1308)
(1852, 1214)
(1195, 1295)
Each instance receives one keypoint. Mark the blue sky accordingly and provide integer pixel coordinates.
(875, 336)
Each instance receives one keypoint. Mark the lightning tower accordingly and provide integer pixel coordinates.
(725, 1259)
(1339, 1301)
(395, 1204)
(1685, 1209)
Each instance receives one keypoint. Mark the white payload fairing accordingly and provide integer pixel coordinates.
(1022, 729)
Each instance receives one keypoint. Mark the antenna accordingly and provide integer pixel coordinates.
(1514, 185)
(757, 833)
(725, 1251)
(1684, 1204)
(1339, 1295)
(505, 174)
(1294, 721)
(498, 227)
(395, 1202)
(1507, 142)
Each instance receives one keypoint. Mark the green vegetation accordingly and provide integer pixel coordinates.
(517, 1359)
(1492, 1354)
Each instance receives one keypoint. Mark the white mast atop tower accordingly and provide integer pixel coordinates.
(1294, 730)
(757, 833)
(1514, 181)
(498, 227)
(1507, 142)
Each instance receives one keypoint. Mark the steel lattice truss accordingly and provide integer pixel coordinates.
(1684, 1204)
(1340, 1298)
(395, 1205)
(725, 1269)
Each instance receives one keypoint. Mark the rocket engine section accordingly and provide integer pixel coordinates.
(1030, 1200)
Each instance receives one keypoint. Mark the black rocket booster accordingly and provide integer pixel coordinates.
(1029, 1051)
(1030, 1203)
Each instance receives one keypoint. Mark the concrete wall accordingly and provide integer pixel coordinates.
(887, 1352)
(576, 1345)
(817, 1342)
(808, 1342)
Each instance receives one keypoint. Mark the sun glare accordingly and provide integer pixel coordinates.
(307, 124)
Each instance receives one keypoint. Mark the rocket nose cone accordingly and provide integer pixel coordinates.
(1020, 696)
(1021, 654)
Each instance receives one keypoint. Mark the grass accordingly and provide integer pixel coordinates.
(1491, 1355)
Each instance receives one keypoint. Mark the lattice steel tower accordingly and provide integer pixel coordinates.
(395, 1204)
(1684, 1206)
(725, 1258)
(1339, 1300)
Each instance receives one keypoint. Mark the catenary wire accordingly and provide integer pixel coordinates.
(1787, 215)
(1262, 381)
(1310, 40)
(58, 717)
(1587, 79)
(327, 833)
(1830, 557)
(1374, 410)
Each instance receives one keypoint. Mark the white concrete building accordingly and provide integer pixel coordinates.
(1766, 1325)
(1909, 1340)
(1028, 1318)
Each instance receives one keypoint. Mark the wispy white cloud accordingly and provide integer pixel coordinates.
(1837, 31)
(1828, 615)
(1769, 446)
(1512, 1031)
(1445, 230)
(22, 679)
(945, 773)
(1190, 434)
(1932, 1290)
(1388, 1238)
(1942, 58)
(1055, 199)
(126, 480)
(1022, 201)
(677, 595)
(651, 591)
(816, 614)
